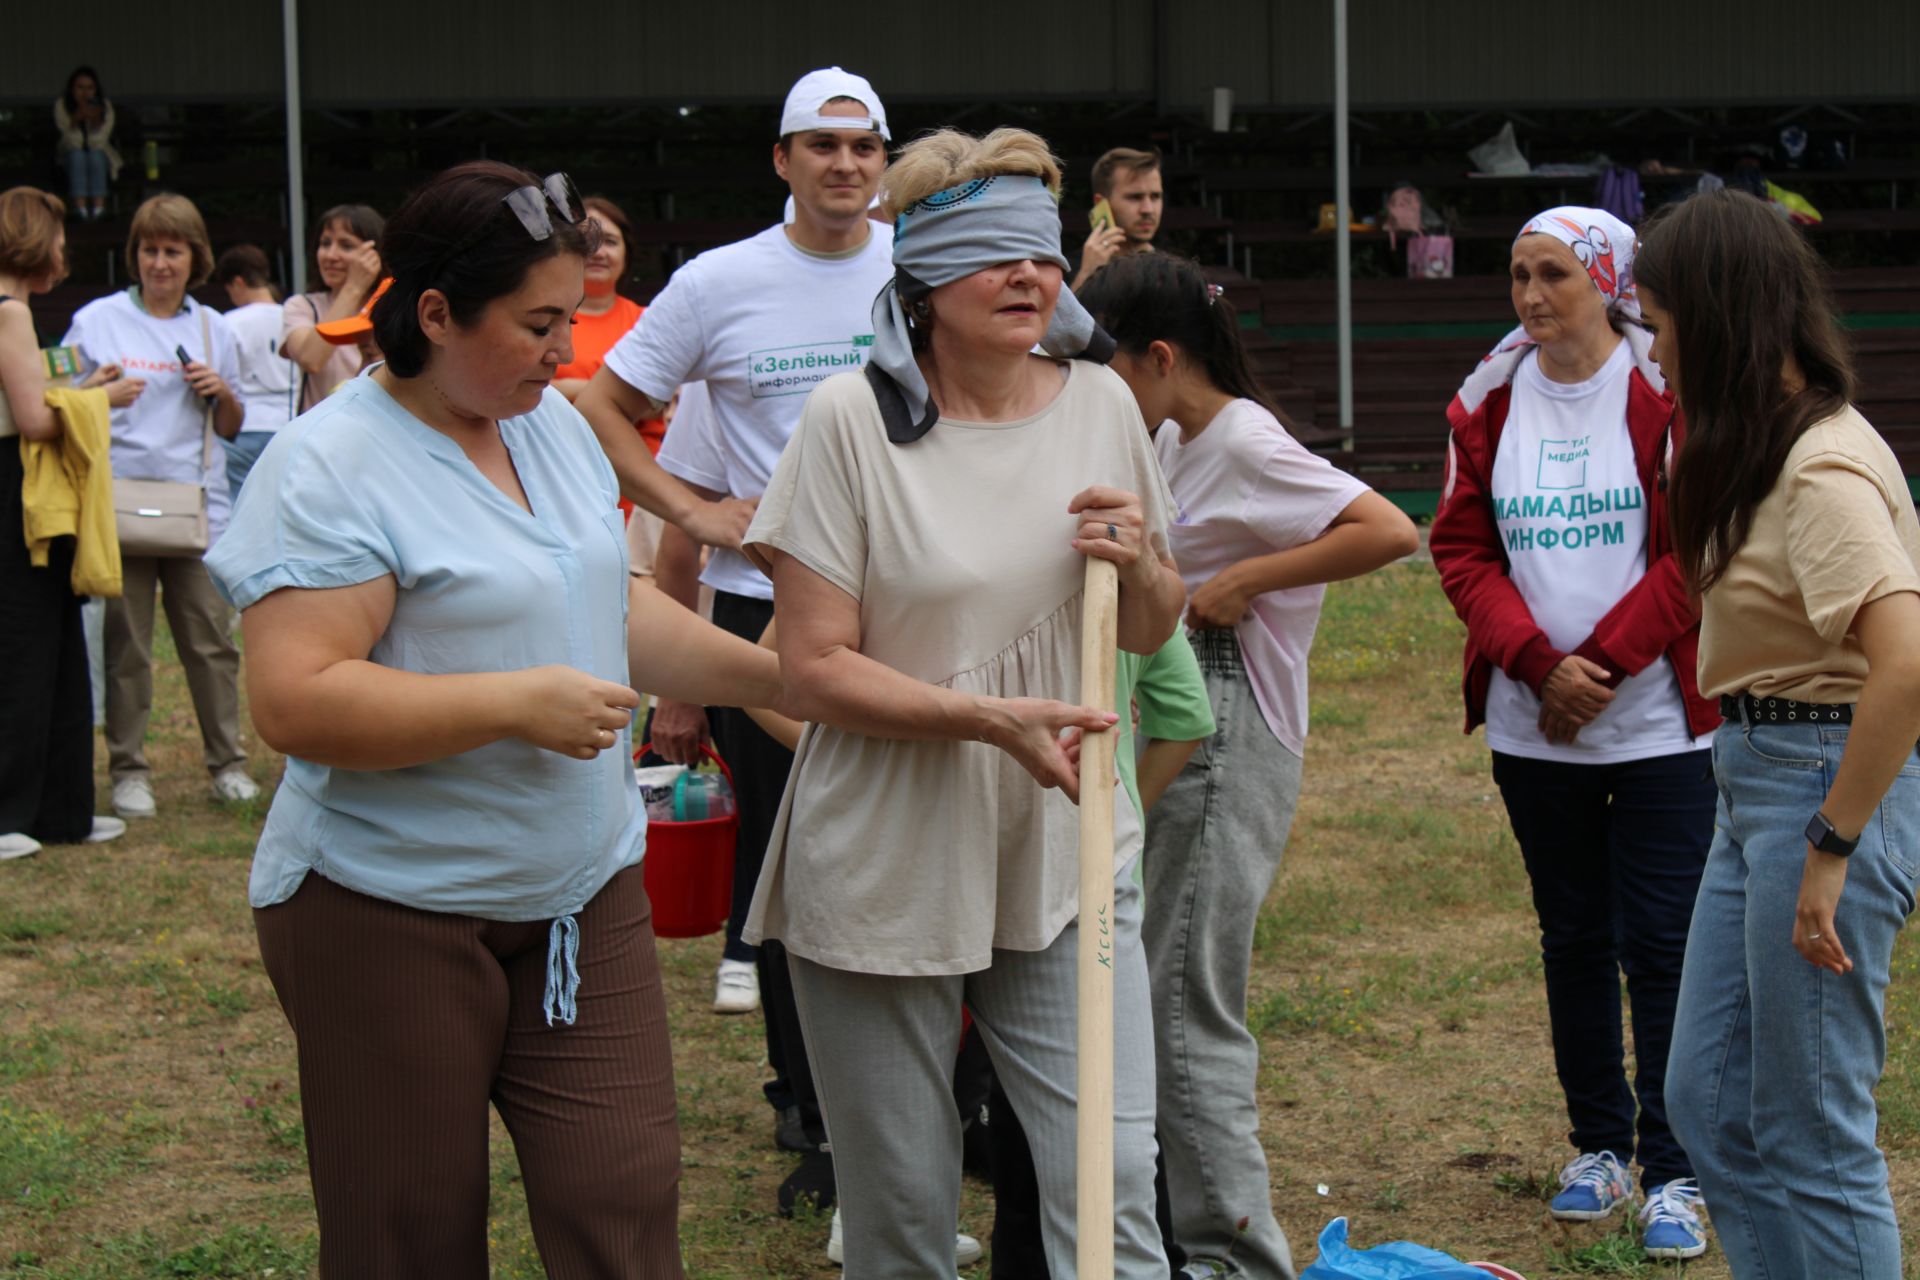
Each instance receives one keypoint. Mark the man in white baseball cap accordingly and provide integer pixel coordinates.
(761, 321)
(812, 92)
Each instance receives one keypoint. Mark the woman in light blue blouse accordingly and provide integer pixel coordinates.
(442, 636)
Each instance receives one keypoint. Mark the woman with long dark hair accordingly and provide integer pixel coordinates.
(1793, 520)
(1263, 526)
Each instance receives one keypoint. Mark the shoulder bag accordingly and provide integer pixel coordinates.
(167, 518)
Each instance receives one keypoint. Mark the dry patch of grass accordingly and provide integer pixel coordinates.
(149, 1118)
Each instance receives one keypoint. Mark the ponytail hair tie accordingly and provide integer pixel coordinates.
(1213, 293)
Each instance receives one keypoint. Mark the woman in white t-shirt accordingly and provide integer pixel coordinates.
(346, 254)
(269, 381)
(1552, 542)
(162, 435)
(925, 532)
(1262, 526)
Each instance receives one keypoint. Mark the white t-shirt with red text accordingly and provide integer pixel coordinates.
(160, 435)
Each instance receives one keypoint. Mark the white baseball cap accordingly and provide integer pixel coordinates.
(815, 89)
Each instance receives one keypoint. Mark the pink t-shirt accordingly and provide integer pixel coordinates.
(1243, 488)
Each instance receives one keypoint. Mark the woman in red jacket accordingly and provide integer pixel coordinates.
(1552, 543)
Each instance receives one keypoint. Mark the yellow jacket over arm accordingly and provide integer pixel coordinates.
(68, 491)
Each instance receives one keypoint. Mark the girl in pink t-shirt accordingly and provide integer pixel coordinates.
(1262, 527)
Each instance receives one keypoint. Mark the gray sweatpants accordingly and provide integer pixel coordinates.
(1213, 849)
(882, 1049)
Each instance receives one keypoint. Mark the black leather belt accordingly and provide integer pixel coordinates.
(1744, 706)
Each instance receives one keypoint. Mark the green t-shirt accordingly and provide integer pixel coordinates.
(1172, 699)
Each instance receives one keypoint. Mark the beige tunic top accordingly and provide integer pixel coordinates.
(1837, 531)
(921, 858)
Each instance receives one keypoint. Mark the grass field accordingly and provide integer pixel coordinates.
(149, 1114)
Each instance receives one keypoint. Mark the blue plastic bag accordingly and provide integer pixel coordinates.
(1401, 1260)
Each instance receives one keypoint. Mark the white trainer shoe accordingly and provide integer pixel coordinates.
(17, 844)
(233, 786)
(736, 987)
(105, 829)
(133, 798)
(966, 1250)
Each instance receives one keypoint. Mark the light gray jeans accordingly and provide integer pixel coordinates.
(1213, 848)
(882, 1049)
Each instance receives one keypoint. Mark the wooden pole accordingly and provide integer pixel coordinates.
(1099, 621)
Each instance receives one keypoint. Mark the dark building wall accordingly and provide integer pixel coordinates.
(1271, 53)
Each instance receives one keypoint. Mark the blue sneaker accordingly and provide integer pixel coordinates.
(1594, 1186)
(1672, 1223)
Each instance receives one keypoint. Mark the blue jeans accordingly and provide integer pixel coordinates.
(87, 173)
(1774, 1061)
(1614, 854)
(1213, 850)
(242, 452)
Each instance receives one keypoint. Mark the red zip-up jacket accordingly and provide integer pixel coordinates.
(1656, 618)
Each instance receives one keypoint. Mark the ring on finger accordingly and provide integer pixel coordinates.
(1113, 534)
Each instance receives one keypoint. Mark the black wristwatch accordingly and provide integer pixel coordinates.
(1822, 836)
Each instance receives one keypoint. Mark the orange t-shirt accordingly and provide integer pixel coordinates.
(593, 337)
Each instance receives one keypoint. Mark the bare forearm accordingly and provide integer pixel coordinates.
(228, 414)
(676, 567)
(1342, 552)
(851, 691)
(677, 654)
(1160, 763)
(1150, 608)
(361, 715)
(642, 480)
(309, 350)
(1886, 724)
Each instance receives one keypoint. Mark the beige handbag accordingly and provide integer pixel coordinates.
(165, 517)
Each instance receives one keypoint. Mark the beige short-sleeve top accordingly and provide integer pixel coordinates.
(921, 858)
(1836, 531)
(303, 311)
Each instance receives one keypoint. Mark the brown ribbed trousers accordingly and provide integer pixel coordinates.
(410, 1022)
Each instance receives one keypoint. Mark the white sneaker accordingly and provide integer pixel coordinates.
(233, 786)
(736, 987)
(133, 798)
(105, 829)
(17, 844)
(966, 1250)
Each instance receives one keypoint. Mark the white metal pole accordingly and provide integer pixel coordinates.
(296, 150)
(1343, 212)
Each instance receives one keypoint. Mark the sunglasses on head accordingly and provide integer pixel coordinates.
(531, 203)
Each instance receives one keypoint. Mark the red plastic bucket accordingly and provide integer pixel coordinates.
(688, 869)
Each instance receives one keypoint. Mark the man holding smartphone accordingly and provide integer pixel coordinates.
(1128, 201)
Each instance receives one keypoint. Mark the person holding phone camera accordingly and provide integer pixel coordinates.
(1128, 200)
(187, 358)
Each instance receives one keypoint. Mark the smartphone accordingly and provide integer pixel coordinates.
(1102, 215)
(185, 360)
